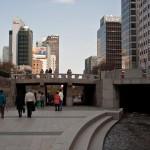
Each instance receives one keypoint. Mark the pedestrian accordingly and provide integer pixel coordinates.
(57, 101)
(30, 102)
(61, 98)
(2, 103)
(42, 99)
(20, 104)
(38, 102)
(50, 70)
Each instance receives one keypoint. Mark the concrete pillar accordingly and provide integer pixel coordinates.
(12, 92)
(69, 100)
(99, 93)
(107, 93)
(116, 99)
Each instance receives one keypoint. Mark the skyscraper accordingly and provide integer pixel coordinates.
(90, 62)
(52, 44)
(24, 46)
(6, 54)
(13, 35)
(129, 38)
(143, 33)
(109, 42)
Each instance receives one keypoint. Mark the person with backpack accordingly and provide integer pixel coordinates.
(2, 103)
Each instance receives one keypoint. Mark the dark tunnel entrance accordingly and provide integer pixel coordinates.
(135, 98)
(84, 94)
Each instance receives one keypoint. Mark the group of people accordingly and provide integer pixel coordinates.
(32, 101)
(46, 71)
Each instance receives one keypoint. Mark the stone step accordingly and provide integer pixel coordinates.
(81, 142)
(66, 140)
(98, 137)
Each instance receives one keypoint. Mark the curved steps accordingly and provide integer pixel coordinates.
(81, 142)
(98, 137)
(87, 134)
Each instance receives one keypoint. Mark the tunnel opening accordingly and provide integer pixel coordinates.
(51, 89)
(83, 95)
(135, 98)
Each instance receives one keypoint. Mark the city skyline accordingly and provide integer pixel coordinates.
(76, 22)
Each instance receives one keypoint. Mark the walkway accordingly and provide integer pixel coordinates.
(40, 131)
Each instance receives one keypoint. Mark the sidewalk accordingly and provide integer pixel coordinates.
(40, 131)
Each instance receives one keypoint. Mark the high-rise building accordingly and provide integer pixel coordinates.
(6, 54)
(24, 46)
(39, 53)
(143, 33)
(90, 63)
(109, 42)
(129, 38)
(10, 46)
(52, 44)
(36, 66)
(13, 41)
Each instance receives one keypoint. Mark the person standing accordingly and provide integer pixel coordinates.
(42, 99)
(57, 101)
(30, 102)
(38, 101)
(20, 104)
(61, 98)
(2, 103)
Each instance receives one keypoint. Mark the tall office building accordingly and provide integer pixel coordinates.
(109, 42)
(143, 33)
(90, 63)
(24, 46)
(129, 38)
(10, 46)
(13, 35)
(6, 55)
(52, 44)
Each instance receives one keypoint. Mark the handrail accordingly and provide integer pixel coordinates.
(54, 76)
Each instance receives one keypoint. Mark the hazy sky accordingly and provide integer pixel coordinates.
(75, 21)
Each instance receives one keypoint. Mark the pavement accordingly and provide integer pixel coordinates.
(42, 130)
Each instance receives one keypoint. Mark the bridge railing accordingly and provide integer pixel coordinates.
(126, 74)
(54, 76)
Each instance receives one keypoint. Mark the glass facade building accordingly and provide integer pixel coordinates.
(90, 63)
(25, 40)
(109, 42)
(129, 38)
(143, 33)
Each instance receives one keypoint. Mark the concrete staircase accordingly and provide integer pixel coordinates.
(89, 134)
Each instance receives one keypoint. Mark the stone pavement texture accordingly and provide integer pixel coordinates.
(42, 130)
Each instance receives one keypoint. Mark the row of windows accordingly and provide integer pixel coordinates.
(145, 43)
(144, 51)
(114, 47)
(145, 34)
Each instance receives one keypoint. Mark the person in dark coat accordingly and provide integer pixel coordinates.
(2, 103)
(20, 104)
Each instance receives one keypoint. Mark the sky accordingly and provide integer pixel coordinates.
(75, 21)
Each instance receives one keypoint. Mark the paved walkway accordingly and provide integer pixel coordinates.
(40, 131)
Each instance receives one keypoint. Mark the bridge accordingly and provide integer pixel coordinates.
(89, 83)
(110, 89)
